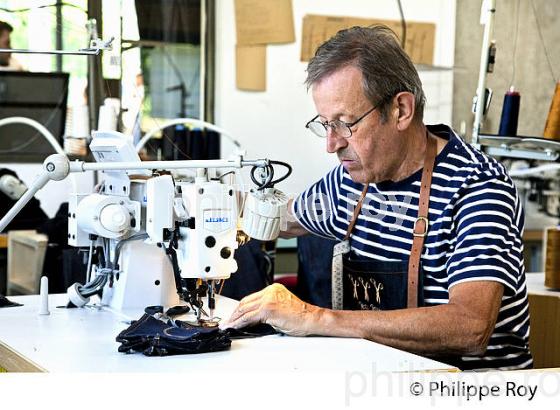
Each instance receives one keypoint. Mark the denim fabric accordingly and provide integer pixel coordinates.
(250, 332)
(5, 302)
(154, 337)
(314, 271)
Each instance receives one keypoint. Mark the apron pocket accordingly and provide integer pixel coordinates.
(376, 285)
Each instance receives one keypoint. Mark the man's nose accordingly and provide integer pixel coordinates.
(334, 141)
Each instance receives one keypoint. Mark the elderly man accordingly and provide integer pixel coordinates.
(430, 259)
(7, 62)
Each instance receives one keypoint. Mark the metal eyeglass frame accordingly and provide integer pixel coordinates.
(348, 125)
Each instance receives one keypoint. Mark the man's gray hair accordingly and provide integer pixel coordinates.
(5, 27)
(386, 68)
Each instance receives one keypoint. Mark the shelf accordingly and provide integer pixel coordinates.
(526, 147)
(428, 67)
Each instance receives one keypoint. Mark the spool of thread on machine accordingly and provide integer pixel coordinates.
(552, 127)
(77, 130)
(510, 113)
(552, 259)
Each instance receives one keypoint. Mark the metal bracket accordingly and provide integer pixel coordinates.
(95, 47)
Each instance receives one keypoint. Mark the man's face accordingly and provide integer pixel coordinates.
(5, 43)
(372, 153)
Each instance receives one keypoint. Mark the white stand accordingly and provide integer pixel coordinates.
(146, 279)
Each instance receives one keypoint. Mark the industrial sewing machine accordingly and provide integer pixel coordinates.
(160, 239)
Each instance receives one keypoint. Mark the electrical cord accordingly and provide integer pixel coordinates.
(88, 269)
(269, 182)
(223, 175)
(264, 184)
(286, 175)
(97, 285)
(102, 274)
(119, 245)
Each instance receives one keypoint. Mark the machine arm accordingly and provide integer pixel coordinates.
(57, 167)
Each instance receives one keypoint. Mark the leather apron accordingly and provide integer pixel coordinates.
(366, 284)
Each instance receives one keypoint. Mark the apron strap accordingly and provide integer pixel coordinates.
(356, 212)
(421, 225)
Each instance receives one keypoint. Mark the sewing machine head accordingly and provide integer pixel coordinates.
(161, 240)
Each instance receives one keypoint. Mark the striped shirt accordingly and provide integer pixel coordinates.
(475, 229)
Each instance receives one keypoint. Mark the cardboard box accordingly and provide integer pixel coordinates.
(420, 37)
(264, 22)
(250, 67)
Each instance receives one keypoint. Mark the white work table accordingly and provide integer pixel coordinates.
(83, 340)
(535, 285)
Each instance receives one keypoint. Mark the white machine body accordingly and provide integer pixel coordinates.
(160, 196)
(145, 279)
(207, 246)
(108, 216)
(146, 221)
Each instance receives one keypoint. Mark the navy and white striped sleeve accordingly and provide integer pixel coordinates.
(488, 222)
(315, 208)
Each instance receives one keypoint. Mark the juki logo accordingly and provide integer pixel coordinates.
(220, 219)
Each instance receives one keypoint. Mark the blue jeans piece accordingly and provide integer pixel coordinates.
(314, 270)
(5, 302)
(250, 332)
(154, 337)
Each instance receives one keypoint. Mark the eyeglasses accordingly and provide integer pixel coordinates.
(340, 128)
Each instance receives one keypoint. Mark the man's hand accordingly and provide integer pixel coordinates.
(278, 307)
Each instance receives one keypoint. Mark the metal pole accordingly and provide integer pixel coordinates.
(487, 14)
(208, 47)
(95, 74)
(59, 45)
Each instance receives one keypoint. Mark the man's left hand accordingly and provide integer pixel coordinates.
(278, 307)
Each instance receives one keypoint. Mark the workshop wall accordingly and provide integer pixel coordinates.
(271, 123)
(523, 63)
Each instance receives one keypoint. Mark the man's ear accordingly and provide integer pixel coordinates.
(404, 107)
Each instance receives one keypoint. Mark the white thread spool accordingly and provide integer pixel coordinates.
(107, 117)
(79, 122)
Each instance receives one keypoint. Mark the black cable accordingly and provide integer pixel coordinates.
(119, 245)
(270, 182)
(262, 185)
(101, 259)
(87, 292)
(403, 25)
(288, 172)
(223, 175)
